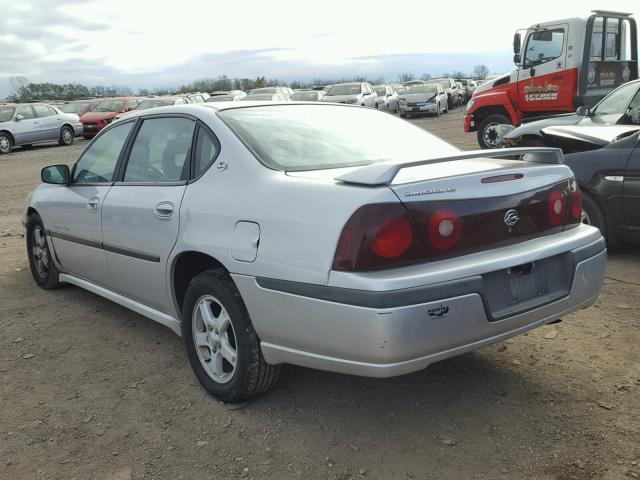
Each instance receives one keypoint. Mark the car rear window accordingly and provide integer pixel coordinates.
(6, 113)
(314, 137)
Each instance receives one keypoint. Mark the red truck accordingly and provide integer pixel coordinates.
(564, 64)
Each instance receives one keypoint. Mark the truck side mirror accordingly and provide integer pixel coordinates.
(516, 43)
(517, 59)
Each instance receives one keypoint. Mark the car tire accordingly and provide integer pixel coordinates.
(43, 268)
(214, 311)
(66, 135)
(6, 143)
(593, 215)
(485, 135)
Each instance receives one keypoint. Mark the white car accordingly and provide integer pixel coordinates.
(388, 98)
(297, 233)
(354, 93)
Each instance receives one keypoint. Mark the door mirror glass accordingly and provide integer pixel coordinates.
(19, 117)
(516, 43)
(583, 111)
(56, 174)
(517, 59)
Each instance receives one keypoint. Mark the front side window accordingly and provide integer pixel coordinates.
(544, 46)
(42, 111)
(160, 151)
(99, 161)
(26, 112)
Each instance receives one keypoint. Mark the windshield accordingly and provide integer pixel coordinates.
(315, 137)
(431, 89)
(6, 113)
(109, 106)
(253, 98)
(74, 107)
(156, 102)
(617, 101)
(305, 96)
(347, 89)
(257, 91)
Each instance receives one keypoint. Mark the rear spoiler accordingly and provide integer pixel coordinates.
(383, 173)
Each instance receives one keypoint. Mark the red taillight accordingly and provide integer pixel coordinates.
(556, 207)
(378, 236)
(393, 238)
(576, 205)
(444, 229)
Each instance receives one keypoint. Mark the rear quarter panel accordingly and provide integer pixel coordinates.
(300, 219)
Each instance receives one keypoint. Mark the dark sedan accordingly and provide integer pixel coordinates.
(606, 164)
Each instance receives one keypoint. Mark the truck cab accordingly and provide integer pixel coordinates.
(560, 66)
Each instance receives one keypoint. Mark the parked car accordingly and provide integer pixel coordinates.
(387, 98)
(147, 103)
(354, 93)
(606, 164)
(308, 96)
(410, 83)
(449, 86)
(284, 91)
(467, 88)
(424, 98)
(197, 97)
(104, 113)
(79, 107)
(619, 107)
(462, 94)
(230, 96)
(418, 255)
(266, 97)
(27, 123)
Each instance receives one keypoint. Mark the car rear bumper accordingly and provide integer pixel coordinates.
(394, 332)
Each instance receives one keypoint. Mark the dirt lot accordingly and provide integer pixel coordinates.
(90, 390)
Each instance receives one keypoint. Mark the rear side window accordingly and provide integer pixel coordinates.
(160, 151)
(207, 148)
(99, 161)
(42, 111)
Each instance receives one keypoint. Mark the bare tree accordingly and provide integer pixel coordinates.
(480, 71)
(405, 77)
(426, 76)
(18, 84)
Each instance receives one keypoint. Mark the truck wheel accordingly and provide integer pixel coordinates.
(222, 346)
(488, 133)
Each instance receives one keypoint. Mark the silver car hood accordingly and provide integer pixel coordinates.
(419, 97)
(595, 135)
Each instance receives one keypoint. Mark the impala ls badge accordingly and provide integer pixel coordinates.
(511, 217)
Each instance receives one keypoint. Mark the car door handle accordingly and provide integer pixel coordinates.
(93, 203)
(164, 209)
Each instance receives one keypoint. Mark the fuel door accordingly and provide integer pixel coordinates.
(246, 238)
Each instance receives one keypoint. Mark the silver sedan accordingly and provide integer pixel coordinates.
(271, 233)
(25, 124)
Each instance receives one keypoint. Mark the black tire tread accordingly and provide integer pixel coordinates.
(53, 277)
(261, 375)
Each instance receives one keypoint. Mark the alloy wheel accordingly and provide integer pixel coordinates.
(214, 339)
(39, 251)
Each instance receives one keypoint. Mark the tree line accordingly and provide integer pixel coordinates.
(24, 90)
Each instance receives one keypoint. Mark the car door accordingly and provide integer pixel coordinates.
(73, 213)
(48, 128)
(25, 128)
(544, 82)
(141, 213)
(631, 192)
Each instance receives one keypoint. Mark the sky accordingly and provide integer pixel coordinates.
(139, 43)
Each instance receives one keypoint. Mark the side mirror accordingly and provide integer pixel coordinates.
(516, 43)
(56, 174)
(19, 117)
(583, 111)
(517, 59)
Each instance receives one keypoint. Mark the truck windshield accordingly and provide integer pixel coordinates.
(544, 46)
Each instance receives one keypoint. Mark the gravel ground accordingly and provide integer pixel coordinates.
(90, 390)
